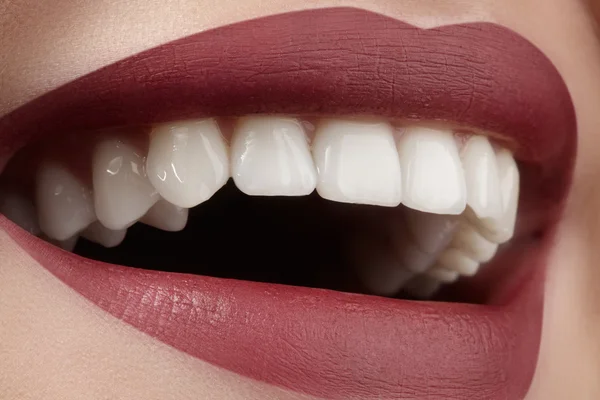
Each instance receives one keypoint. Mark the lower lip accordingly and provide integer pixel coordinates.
(324, 343)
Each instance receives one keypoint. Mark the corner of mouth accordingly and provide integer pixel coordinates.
(480, 77)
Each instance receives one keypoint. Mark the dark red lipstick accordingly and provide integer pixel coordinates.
(336, 62)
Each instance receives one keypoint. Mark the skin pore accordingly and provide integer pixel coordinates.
(56, 345)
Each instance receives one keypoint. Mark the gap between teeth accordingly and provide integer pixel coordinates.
(463, 196)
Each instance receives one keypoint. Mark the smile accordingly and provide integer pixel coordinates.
(331, 201)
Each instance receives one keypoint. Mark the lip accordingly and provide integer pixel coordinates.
(339, 61)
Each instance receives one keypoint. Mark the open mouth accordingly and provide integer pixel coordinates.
(243, 170)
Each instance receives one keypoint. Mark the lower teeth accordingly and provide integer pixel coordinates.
(302, 241)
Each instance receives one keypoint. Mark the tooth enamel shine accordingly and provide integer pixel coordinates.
(166, 216)
(187, 161)
(457, 260)
(432, 173)
(270, 156)
(122, 191)
(501, 229)
(481, 176)
(357, 162)
(473, 244)
(65, 206)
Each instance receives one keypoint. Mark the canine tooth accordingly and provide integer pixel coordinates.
(166, 216)
(458, 261)
(442, 274)
(422, 286)
(108, 238)
(19, 210)
(378, 269)
(122, 191)
(502, 229)
(481, 177)
(431, 232)
(357, 162)
(65, 206)
(469, 241)
(187, 161)
(270, 156)
(432, 173)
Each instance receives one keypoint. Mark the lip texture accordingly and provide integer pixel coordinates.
(330, 61)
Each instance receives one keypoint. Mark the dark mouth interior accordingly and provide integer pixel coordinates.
(301, 241)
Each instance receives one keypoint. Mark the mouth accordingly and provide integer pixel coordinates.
(332, 200)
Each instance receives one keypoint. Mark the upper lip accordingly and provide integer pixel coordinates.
(334, 61)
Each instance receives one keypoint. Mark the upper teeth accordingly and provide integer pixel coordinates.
(187, 161)
(357, 162)
(122, 191)
(350, 161)
(270, 156)
(434, 180)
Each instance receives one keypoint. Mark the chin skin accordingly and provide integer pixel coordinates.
(52, 340)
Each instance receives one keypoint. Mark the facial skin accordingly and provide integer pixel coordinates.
(56, 345)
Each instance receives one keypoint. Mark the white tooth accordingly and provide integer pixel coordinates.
(65, 206)
(357, 162)
(67, 245)
(442, 274)
(502, 229)
(187, 161)
(431, 232)
(19, 210)
(422, 286)
(412, 258)
(458, 261)
(270, 156)
(108, 238)
(470, 242)
(122, 191)
(481, 177)
(166, 216)
(431, 171)
(378, 269)
(408, 254)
